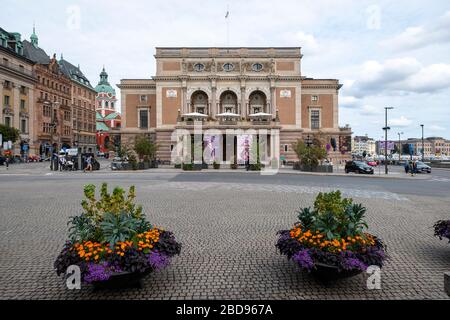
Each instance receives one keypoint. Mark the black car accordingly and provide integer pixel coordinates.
(358, 167)
(422, 167)
(2, 160)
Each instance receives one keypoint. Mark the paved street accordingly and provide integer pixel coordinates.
(227, 223)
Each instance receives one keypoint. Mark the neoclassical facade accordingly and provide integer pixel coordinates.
(233, 88)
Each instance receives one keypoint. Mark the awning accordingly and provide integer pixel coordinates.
(195, 115)
(229, 115)
(260, 115)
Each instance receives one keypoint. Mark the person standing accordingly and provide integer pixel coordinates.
(406, 167)
(88, 164)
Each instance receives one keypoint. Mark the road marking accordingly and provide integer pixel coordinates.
(440, 179)
(244, 187)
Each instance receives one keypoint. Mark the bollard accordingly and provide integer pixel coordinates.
(447, 283)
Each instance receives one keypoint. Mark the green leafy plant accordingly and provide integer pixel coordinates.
(9, 133)
(119, 227)
(114, 203)
(309, 155)
(144, 148)
(334, 216)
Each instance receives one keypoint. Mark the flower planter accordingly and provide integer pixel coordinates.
(442, 229)
(121, 260)
(123, 280)
(329, 273)
(329, 240)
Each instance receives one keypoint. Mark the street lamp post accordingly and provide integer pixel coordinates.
(386, 128)
(423, 147)
(399, 147)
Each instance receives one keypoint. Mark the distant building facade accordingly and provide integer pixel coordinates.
(433, 146)
(17, 81)
(233, 88)
(108, 119)
(52, 114)
(364, 144)
(83, 107)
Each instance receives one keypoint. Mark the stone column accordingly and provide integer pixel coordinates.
(213, 102)
(272, 102)
(184, 100)
(243, 103)
(15, 106)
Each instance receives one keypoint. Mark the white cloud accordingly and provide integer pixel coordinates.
(437, 128)
(421, 36)
(349, 101)
(400, 76)
(400, 122)
(307, 42)
(369, 110)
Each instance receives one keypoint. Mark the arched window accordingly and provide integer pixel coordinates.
(258, 102)
(228, 102)
(199, 102)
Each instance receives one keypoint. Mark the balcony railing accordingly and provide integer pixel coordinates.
(17, 68)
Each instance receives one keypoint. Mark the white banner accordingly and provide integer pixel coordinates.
(212, 149)
(244, 145)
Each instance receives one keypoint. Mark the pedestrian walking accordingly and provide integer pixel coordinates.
(7, 163)
(406, 167)
(88, 164)
(414, 164)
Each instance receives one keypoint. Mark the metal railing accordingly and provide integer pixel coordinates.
(18, 68)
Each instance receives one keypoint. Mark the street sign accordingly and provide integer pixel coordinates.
(411, 149)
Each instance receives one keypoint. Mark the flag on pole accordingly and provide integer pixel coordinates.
(227, 14)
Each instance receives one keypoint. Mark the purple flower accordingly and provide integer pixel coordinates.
(100, 272)
(353, 264)
(158, 260)
(304, 259)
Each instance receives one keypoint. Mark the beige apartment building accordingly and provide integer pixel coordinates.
(83, 107)
(17, 81)
(234, 88)
(433, 146)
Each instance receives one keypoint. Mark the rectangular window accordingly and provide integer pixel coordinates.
(6, 101)
(315, 119)
(143, 98)
(22, 104)
(314, 98)
(23, 126)
(143, 119)
(8, 121)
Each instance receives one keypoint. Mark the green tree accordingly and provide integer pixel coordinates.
(309, 155)
(9, 133)
(144, 148)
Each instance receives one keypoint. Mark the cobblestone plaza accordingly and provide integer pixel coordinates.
(227, 224)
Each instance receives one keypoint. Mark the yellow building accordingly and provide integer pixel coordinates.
(17, 81)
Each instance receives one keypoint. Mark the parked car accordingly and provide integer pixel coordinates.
(372, 163)
(358, 167)
(422, 167)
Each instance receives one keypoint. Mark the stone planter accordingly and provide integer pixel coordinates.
(319, 168)
(328, 273)
(122, 280)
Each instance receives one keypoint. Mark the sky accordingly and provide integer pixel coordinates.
(386, 53)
